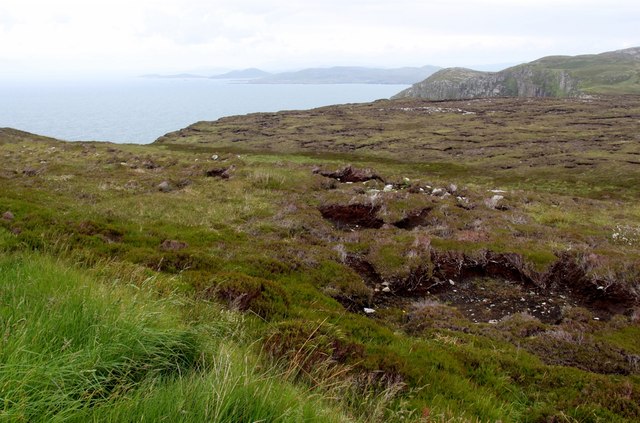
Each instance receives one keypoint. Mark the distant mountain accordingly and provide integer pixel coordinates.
(615, 72)
(350, 75)
(250, 73)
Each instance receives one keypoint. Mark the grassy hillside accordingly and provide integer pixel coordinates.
(478, 261)
(615, 72)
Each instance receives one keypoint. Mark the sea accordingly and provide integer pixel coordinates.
(139, 110)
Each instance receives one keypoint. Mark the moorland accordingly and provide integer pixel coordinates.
(405, 260)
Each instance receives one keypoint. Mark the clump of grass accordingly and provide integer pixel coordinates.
(267, 180)
(69, 343)
(74, 349)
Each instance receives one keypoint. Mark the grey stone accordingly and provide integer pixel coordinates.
(164, 186)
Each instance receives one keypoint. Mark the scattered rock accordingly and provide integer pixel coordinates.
(369, 310)
(438, 192)
(7, 216)
(164, 186)
(415, 189)
(463, 202)
(386, 289)
(494, 202)
(452, 188)
(173, 245)
(388, 188)
(215, 157)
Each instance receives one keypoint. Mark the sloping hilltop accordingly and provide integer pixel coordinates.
(613, 72)
(473, 260)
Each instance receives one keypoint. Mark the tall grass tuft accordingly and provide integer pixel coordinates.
(74, 349)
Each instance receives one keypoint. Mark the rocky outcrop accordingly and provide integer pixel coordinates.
(519, 81)
(614, 72)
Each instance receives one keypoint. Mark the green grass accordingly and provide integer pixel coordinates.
(76, 349)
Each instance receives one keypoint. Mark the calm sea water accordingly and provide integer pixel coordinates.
(140, 110)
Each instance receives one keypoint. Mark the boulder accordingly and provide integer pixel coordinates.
(164, 186)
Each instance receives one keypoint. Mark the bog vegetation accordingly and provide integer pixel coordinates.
(394, 261)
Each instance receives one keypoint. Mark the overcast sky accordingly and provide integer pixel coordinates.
(61, 37)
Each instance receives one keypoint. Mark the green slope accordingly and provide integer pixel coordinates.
(616, 72)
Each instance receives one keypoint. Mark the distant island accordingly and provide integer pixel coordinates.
(350, 75)
(250, 73)
(331, 75)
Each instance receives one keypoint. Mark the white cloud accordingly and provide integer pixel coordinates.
(172, 35)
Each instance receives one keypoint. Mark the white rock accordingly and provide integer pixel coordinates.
(386, 289)
(164, 186)
(388, 188)
(451, 282)
(369, 310)
(215, 157)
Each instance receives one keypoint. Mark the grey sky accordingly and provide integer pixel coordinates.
(140, 36)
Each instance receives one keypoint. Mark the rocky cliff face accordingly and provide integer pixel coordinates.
(615, 72)
(519, 81)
